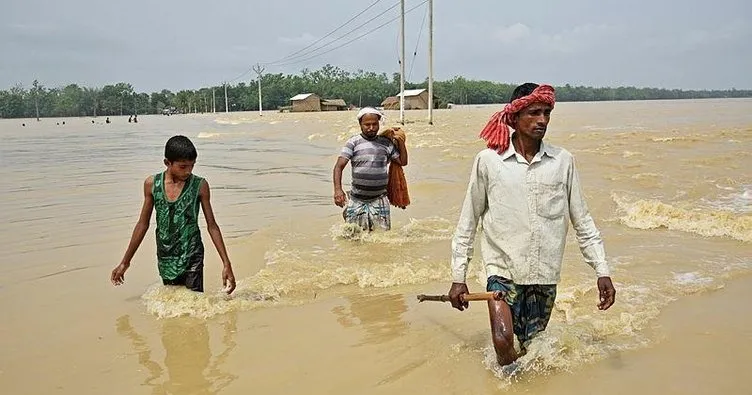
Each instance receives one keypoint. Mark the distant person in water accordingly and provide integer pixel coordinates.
(524, 192)
(176, 195)
(23, 124)
(370, 153)
(107, 120)
(130, 118)
(135, 118)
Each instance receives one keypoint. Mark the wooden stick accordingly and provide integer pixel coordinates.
(464, 297)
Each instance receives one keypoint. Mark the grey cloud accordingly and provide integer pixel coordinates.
(183, 44)
(50, 38)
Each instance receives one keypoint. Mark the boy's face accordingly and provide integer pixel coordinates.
(180, 169)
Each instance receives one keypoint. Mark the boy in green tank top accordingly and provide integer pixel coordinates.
(177, 195)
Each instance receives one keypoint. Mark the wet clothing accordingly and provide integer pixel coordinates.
(370, 165)
(180, 251)
(193, 277)
(531, 305)
(368, 214)
(525, 210)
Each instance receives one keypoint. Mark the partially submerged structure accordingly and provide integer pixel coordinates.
(305, 102)
(311, 102)
(415, 99)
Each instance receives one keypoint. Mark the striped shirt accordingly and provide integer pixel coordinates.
(370, 165)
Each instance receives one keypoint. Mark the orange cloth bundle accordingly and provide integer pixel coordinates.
(396, 188)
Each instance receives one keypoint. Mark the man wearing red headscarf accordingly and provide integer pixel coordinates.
(524, 193)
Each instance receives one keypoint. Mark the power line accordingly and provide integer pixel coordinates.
(241, 75)
(397, 45)
(354, 39)
(301, 58)
(308, 53)
(327, 35)
(417, 42)
(297, 54)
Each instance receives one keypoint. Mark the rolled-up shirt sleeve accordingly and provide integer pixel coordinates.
(588, 236)
(474, 206)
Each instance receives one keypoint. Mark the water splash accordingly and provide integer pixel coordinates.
(415, 231)
(296, 274)
(653, 214)
(176, 301)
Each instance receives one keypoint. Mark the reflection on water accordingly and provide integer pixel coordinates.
(380, 316)
(189, 366)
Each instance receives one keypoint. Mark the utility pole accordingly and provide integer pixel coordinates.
(430, 62)
(226, 105)
(402, 62)
(258, 69)
(36, 97)
(214, 101)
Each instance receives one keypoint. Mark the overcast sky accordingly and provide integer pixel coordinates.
(186, 44)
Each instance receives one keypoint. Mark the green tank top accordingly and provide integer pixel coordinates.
(179, 245)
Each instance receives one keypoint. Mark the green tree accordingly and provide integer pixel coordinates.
(13, 102)
(70, 102)
(361, 88)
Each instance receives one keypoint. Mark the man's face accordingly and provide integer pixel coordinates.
(532, 120)
(369, 125)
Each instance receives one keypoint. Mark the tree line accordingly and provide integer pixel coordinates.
(359, 88)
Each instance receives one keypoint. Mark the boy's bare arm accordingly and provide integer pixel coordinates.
(228, 278)
(139, 231)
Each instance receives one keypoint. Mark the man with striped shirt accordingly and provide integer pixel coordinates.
(370, 153)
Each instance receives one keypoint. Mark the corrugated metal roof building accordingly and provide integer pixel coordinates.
(391, 103)
(305, 102)
(333, 105)
(415, 99)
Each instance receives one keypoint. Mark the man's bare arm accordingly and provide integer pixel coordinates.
(339, 195)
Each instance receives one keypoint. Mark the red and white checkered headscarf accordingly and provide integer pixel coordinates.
(496, 132)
